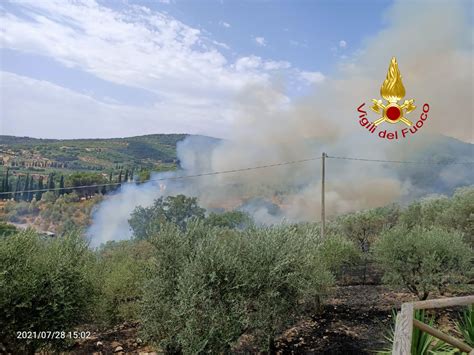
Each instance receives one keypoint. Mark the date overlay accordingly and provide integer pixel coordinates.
(49, 334)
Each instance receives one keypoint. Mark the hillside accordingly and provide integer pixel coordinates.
(150, 151)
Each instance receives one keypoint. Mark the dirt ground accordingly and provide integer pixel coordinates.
(353, 321)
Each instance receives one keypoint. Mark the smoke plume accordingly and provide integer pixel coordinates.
(433, 45)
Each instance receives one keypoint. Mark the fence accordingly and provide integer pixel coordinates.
(405, 324)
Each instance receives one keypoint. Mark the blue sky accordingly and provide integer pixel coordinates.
(120, 68)
(306, 33)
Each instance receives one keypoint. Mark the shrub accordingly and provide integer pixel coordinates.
(49, 197)
(7, 229)
(121, 270)
(45, 285)
(451, 213)
(71, 197)
(208, 286)
(363, 227)
(460, 213)
(336, 251)
(466, 325)
(423, 259)
(426, 212)
(230, 219)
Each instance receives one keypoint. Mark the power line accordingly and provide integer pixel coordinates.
(166, 178)
(402, 161)
(238, 170)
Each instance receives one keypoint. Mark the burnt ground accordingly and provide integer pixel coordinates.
(354, 320)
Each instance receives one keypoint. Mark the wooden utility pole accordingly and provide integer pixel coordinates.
(323, 205)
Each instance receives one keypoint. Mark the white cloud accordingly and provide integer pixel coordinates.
(149, 50)
(342, 44)
(224, 24)
(195, 84)
(260, 41)
(245, 63)
(41, 109)
(254, 62)
(276, 65)
(313, 77)
(221, 44)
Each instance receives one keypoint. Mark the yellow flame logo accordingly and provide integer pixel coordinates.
(393, 91)
(392, 88)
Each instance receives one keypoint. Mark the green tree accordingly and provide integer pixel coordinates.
(45, 284)
(423, 259)
(39, 193)
(122, 269)
(32, 187)
(77, 181)
(456, 212)
(229, 219)
(17, 194)
(460, 213)
(144, 175)
(61, 185)
(364, 227)
(51, 184)
(26, 188)
(6, 182)
(176, 209)
(214, 284)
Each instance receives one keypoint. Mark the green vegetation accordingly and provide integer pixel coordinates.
(425, 344)
(53, 213)
(253, 280)
(421, 343)
(121, 271)
(90, 154)
(7, 229)
(212, 285)
(175, 209)
(197, 282)
(37, 164)
(422, 259)
(466, 325)
(45, 285)
(230, 219)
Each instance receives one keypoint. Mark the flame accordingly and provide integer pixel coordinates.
(392, 88)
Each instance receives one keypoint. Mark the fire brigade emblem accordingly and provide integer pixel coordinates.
(393, 91)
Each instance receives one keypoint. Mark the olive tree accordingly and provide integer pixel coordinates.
(208, 286)
(423, 259)
(178, 210)
(45, 284)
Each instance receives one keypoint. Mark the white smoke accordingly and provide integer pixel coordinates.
(433, 45)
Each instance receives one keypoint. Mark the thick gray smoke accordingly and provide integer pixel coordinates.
(433, 45)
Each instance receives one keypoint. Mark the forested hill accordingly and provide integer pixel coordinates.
(89, 154)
